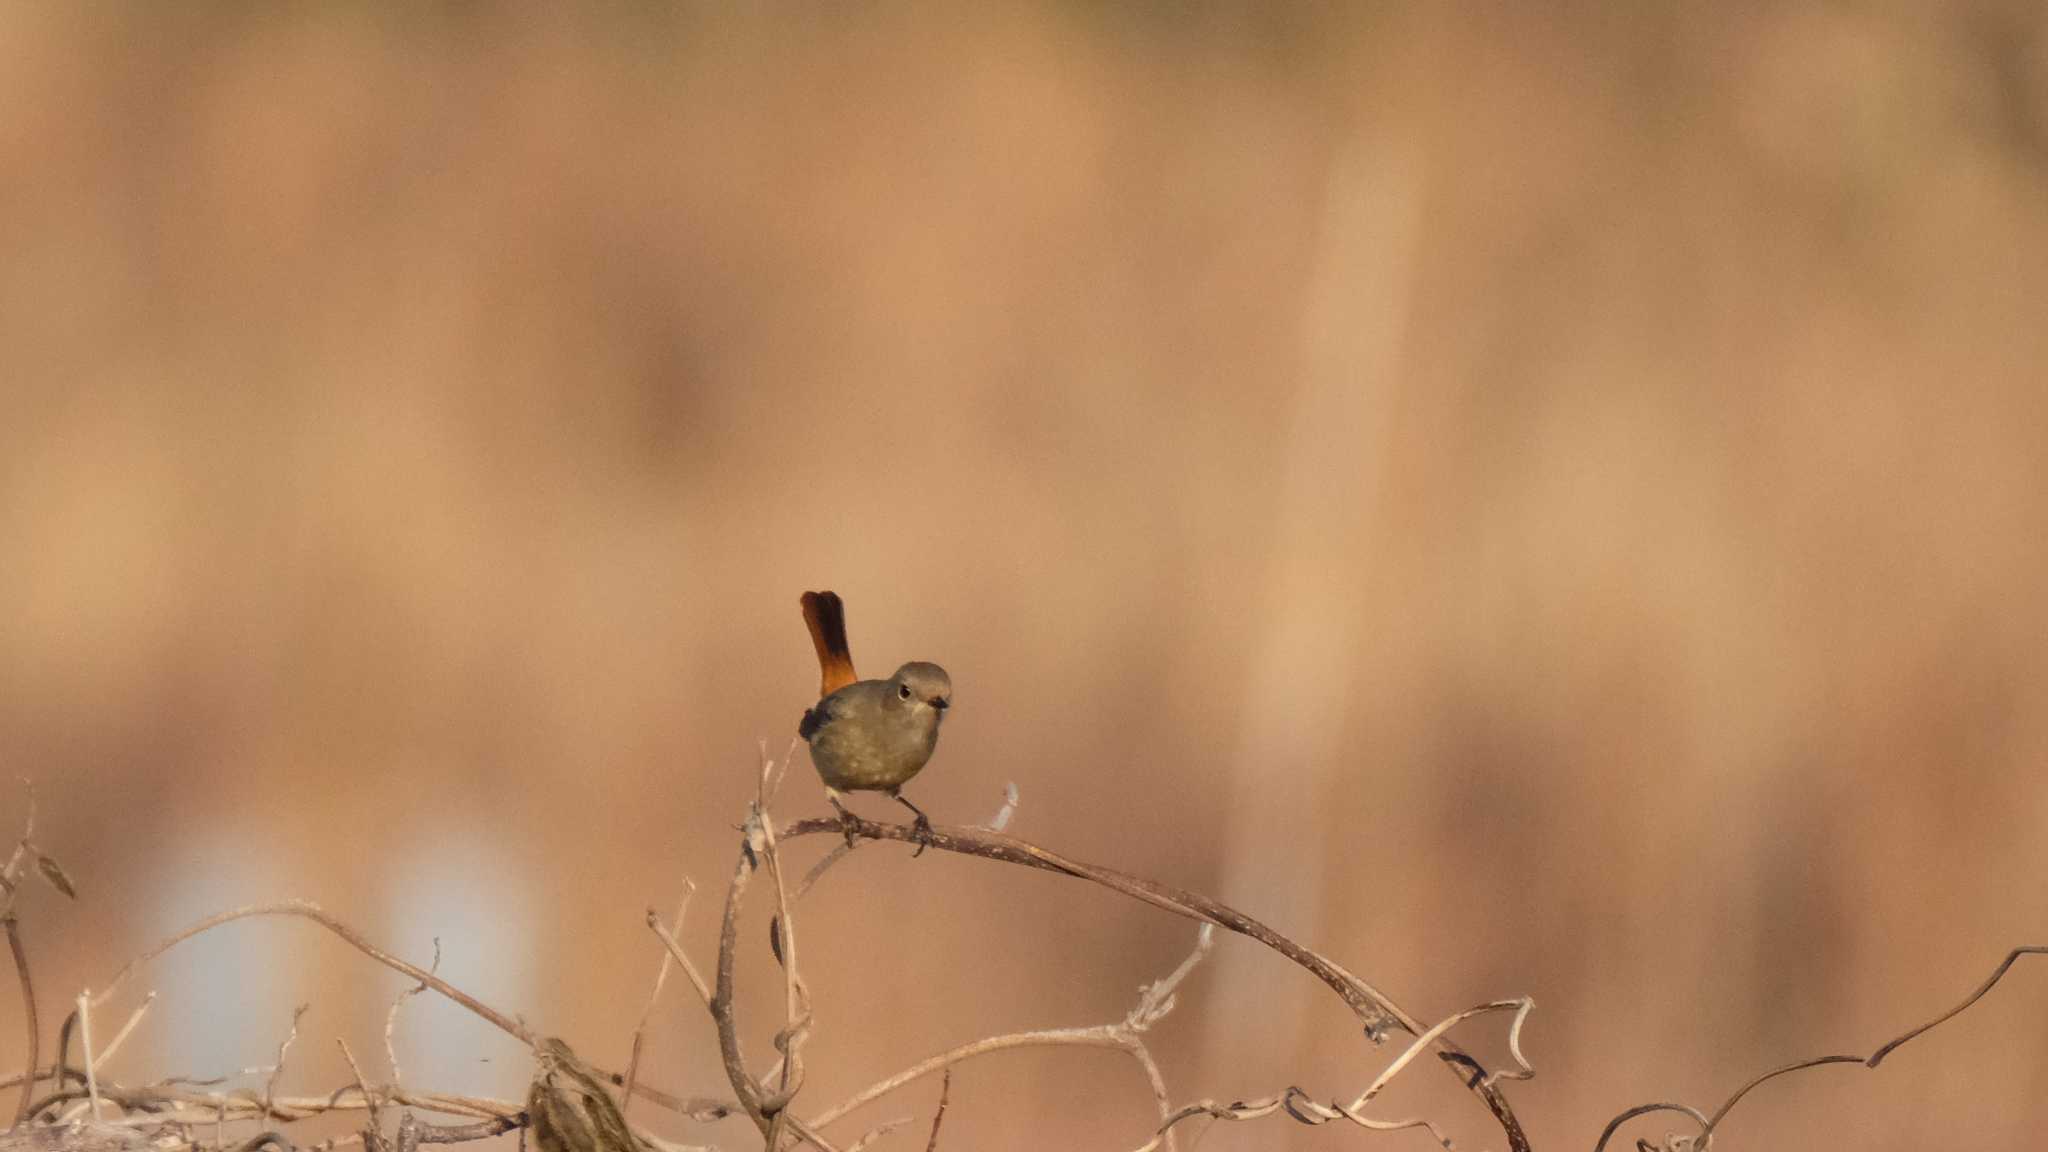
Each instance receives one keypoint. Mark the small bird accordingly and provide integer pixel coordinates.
(869, 735)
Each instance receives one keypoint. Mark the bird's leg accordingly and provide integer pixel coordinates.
(849, 824)
(921, 831)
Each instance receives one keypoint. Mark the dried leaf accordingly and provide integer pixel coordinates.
(571, 1111)
(54, 873)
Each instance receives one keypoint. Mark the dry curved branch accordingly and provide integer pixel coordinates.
(1989, 983)
(277, 1069)
(672, 954)
(693, 1107)
(1522, 1006)
(1303, 1108)
(1001, 820)
(92, 1087)
(1708, 1124)
(1615, 1124)
(1296, 1103)
(931, 1143)
(723, 1108)
(796, 1012)
(391, 1016)
(156, 1108)
(758, 849)
(1378, 1013)
(674, 949)
(159, 1102)
(28, 1012)
(743, 1084)
(1372, 1006)
(46, 1072)
(1100, 1036)
(307, 910)
(839, 851)
(696, 1108)
(10, 881)
(121, 1037)
(868, 1138)
(86, 1136)
(1155, 1001)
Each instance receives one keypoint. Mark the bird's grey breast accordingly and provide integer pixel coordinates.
(859, 741)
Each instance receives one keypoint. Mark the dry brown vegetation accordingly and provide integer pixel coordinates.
(571, 1105)
(1528, 499)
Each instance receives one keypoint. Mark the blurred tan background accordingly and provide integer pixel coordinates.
(1540, 499)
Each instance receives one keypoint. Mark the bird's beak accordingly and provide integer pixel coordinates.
(941, 703)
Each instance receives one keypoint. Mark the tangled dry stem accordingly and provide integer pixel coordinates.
(183, 1105)
(11, 877)
(1378, 1013)
(1703, 1139)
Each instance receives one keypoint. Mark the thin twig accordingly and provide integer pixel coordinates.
(1001, 820)
(660, 979)
(277, 1070)
(1155, 1000)
(92, 1083)
(795, 1007)
(1990, 982)
(660, 1145)
(736, 1073)
(809, 1132)
(10, 873)
(699, 1109)
(703, 1109)
(938, 1116)
(463, 1133)
(1297, 1104)
(1708, 1125)
(10, 880)
(1100, 1036)
(1373, 1007)
(369, 1097)
(756, 847)
(1155, 1080)
(1522, 1006)
(121, 1037)
(1615, 1124)
(49, 1071)
(28, 1013)
(1307, 1110)
(674, 949)
(244, 1104)
(307, 910)
(391, 1017)
(753, 1098)
(839, 851)
(868, 1138)
(272, 1139)
(1707, 1133)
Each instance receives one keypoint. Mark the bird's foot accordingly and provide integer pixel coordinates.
(920, 834)
(849, 827)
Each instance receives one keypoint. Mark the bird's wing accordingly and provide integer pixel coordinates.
(820, 714)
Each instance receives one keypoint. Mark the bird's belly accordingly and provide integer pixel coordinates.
(851, 761)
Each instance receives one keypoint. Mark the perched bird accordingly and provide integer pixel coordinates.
(869, 735)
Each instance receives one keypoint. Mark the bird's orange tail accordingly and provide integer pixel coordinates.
(826, 617)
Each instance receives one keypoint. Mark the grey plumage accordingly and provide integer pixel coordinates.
(874, 735)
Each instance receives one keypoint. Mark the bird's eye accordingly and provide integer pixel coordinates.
(903, 691)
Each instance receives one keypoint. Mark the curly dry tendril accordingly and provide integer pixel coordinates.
(1379, 1014)
(1698, 1141)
